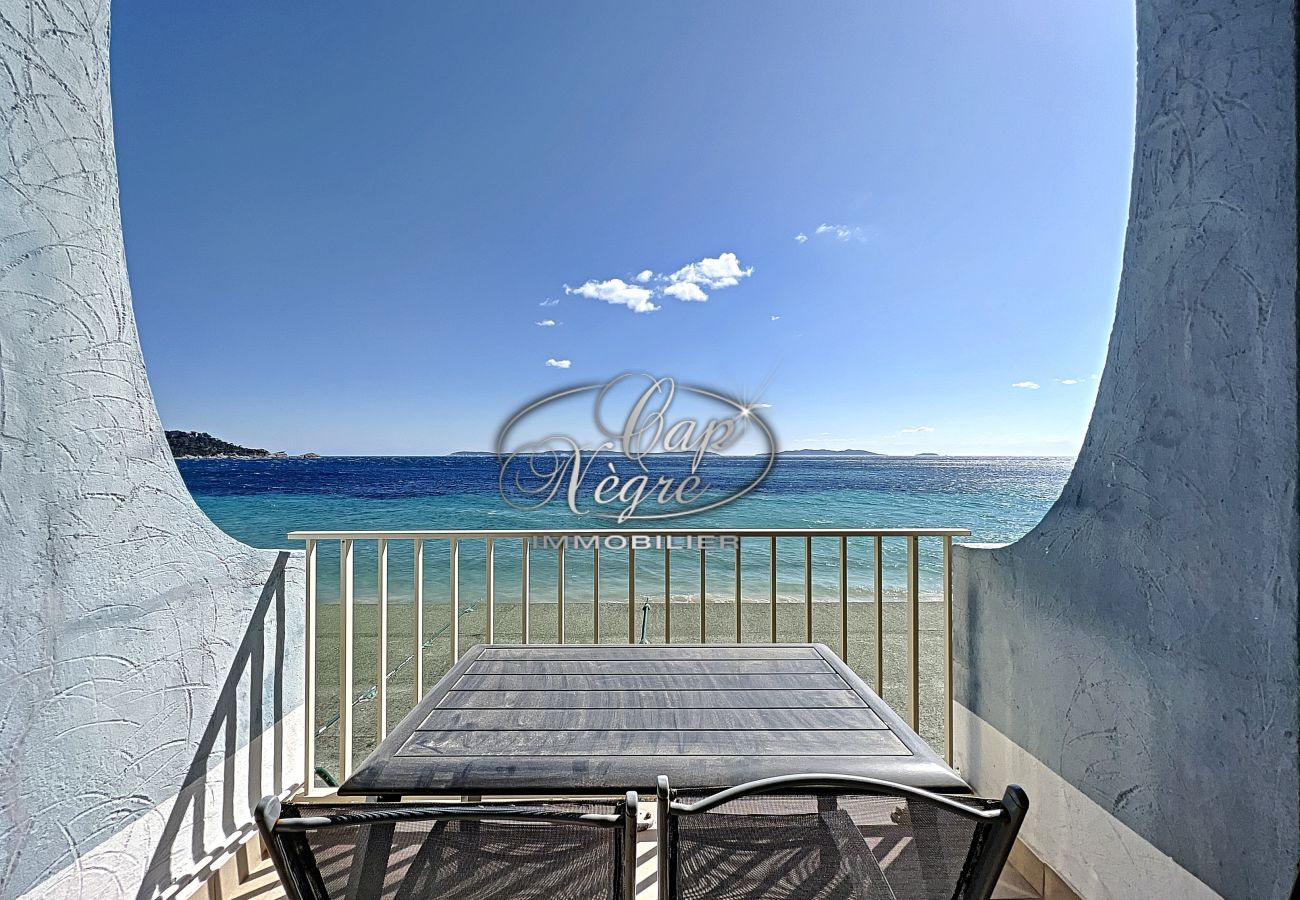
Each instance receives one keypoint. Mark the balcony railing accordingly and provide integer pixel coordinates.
(407, 603)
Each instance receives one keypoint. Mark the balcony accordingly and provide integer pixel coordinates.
(881, 597)
(459, 588)
(1132, 660)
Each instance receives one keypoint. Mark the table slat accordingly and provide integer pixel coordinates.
(647, 699)
(637, 718)
(650, 742)
(652, 667)
(651, 651)
(705, 682)
(551, 776)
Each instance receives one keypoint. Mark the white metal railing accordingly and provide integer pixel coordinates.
(861, 601)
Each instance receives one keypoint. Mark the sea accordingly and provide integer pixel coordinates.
(259, 501)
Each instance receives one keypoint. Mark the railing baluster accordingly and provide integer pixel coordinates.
(772, 581)
(739, 621)
(913, 633)
(525, 595)
(418, 600)
(309, 667)
(490, 588)
(345, 657)
(595, 590)
(947, 648)
(631, 594)
(381, 686)
(807, 589)
(880, 617)
(668, 596)
(559, 592)
(704, 597)
(455, 600)
(844, 598)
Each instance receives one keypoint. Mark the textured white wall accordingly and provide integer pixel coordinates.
(139, 645)
(1142, 640)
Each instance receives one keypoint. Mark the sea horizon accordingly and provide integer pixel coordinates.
(259, 500)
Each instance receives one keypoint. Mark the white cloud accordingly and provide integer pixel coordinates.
(686, 290)
(545, 323)
(1069, 380)
(773, 318)
(549, 303)
(618, 292)
(838, 232)
(712, 272)
(559, 363)
(691, 283)
(919, 429)
(801, 238)
(1027, 385)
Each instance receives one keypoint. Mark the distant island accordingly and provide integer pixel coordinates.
(201, 445)
(812, 452)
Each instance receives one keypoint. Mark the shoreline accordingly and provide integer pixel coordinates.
(245, 456)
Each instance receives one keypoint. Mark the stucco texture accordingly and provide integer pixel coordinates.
(1142, 640)
(140, 647)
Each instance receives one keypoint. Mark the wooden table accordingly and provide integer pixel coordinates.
(582, 719)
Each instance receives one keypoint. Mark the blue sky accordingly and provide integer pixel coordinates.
(341, 228)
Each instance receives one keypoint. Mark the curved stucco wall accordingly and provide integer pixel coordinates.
(145, 657)
(1141, 641)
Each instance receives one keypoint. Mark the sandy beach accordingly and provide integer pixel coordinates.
(756, 623)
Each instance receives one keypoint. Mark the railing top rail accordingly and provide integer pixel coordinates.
(363, 535)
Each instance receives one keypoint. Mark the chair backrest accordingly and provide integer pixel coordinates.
(818, 837)
(395, 851)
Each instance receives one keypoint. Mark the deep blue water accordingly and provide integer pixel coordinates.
(998, 499)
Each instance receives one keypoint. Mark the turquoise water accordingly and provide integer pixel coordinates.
(260, 501)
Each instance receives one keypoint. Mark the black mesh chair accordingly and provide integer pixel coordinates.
(832, 837)
(395, 851)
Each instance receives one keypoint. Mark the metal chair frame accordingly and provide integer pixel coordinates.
(295, 862)
(984, 863)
